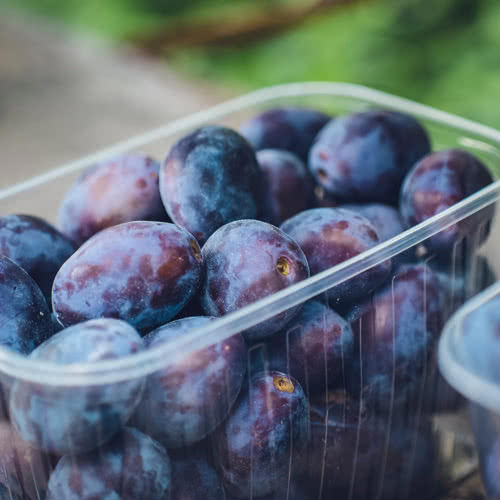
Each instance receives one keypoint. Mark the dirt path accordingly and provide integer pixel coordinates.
(63, 96)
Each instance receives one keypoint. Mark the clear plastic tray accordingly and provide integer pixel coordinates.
(393, 470)
(473, 379)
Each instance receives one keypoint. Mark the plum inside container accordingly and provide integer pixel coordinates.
(326, 386)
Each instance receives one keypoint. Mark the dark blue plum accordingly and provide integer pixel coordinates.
(396, 332)
(25, 319)
(314, 347)
(264, 437)
(386, 219)
(490, 470)
(363, 157)
(185, 401)
(75, 419)
(209, 178)
(287, 187)
(141, 272)
(121, 189)
(294, 491)
(246, 261)
(329, 236)
(194, 478)
(130, 467)
(436, 183)
(24, 471)
(35, 245)
(291, 129)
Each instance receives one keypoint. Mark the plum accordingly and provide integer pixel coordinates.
(396, 332)
(386, 219)
(187, 399)
(263, 438)
(314, 347)
(142, 272)
(75, 419)
(329, 236)
(287, 187)
(289, 128)
(25, 319)
(246, 261)
(437, 182)
(129, 467)
(209, 178)
(121, 189)
(194, 478)
(36, 246)
(363, 157)
(24, 471)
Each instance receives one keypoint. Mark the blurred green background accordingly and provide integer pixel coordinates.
(445, 53)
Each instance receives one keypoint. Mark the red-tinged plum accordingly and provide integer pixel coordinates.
(141, 272)
(329, 236)
(437, 182)
(246, 261)
(264, 437)
(363, 157)
(36, 246)
(25, 319)
(130, 467)
(209, 178)
(194, 478)
(74, 419)
(314, 347)
(24, 471)
(191, 396)
(288, 128)
(396, 332)
(122, 189)
(287, 187)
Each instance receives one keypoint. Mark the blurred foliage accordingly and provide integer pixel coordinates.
(445, 53)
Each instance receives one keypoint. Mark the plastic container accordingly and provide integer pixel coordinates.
(471, 373)
(408, 447)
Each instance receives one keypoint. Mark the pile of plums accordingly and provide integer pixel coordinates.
(327, 399)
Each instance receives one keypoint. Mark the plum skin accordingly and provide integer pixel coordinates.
(329, 236)
(142, 272)
(210, 178)
(314, 347)
(76, 419)
(287, 187)
(437, 182)
(246, 261)
(121, 189)
(129, 467)
(289, 128)
(25, 319)
(263, 437)
(36, 246)
(363, 157)
(185, 401)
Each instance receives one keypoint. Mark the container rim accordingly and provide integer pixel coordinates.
(470, 384)
(145, 363)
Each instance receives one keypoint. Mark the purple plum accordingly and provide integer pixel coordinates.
(74, 419)
(363, 157)
(186, 400)
(288, 128)
(36, 246)
(437, 182)
(121, 189)
(25, 319)
(209, 178)
(141, 272)
(130, 467)
(246, 261)
(287, 187)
